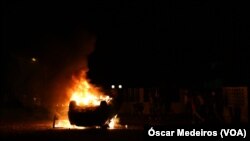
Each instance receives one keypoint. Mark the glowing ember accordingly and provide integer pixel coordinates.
(66, 124)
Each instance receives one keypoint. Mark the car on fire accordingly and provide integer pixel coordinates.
(100, 115)
(90, 116)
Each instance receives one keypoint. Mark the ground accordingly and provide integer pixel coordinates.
(42, 130)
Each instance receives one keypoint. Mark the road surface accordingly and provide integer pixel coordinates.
(43, 130)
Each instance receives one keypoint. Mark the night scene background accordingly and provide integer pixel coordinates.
(163, 55)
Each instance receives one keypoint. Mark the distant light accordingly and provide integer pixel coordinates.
(33, 59)
(120, 86)
(112, 86)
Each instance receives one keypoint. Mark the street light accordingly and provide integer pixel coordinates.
(112, 86)
(33, 59)
(120, 86)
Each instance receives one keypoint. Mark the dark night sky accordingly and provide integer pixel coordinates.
(136, 43)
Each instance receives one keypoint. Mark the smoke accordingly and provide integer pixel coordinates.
(70, 58)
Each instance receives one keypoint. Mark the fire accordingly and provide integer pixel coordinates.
(66, 124)
(114, 122)
(85, 95)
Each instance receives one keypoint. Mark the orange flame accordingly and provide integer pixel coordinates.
(87, 95)
(114, 122)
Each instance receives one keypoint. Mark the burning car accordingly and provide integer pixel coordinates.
(89, 106)
(90, 116)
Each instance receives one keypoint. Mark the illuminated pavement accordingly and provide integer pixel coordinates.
(43, 130)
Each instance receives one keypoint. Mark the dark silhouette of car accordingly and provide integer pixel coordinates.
(94, 116)
(90, 116)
